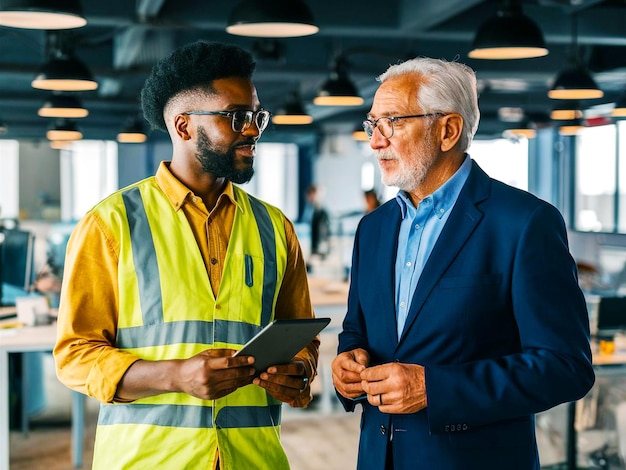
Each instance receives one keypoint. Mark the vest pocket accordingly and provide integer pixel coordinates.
(249, 265)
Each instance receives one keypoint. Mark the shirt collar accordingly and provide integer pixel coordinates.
(445, 196)
(177, 193)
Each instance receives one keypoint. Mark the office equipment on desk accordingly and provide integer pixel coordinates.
(611, 316)
(17, 260)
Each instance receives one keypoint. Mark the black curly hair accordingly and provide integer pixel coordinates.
(193, 65)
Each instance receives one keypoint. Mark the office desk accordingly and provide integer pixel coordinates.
(33, 339)
(604, 364)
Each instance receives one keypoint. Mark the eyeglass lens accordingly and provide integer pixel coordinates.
(242, 119)
(385, 127)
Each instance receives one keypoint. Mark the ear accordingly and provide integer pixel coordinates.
(451, 129)
(181, 126)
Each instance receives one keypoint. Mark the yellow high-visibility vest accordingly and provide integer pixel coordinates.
(167, 311)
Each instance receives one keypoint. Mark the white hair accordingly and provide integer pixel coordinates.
(448, 87)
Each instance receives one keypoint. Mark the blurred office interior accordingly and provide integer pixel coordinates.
(576, 162)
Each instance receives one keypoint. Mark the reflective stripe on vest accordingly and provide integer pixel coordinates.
(189, 416)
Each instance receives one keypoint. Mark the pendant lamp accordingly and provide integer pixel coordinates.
(359, 134)
(571, 127)
(42, 14)
(63, 106)
(60, 144)
(575, 82)
(64, 73)
(620, 107)
(292, 112)
(566, 110)
(525, 128)
(338, 90)
(133, 133)
(271, 19)
(508, 35)
(64, 130)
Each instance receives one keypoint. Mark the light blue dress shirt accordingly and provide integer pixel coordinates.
(419, 230)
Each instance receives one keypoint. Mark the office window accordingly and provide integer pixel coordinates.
(621, 159)
(275, 177)
(503, 159)
(9, 179)
(595, 180)
(88, 175)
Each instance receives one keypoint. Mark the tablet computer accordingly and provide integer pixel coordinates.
(279, 341)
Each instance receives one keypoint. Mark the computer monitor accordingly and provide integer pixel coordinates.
(611, 315)
(17, 258)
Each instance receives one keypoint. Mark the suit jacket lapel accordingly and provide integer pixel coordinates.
(385, 272)
(463, 220)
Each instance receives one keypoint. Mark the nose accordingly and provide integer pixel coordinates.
(377, 141)
(252, 129)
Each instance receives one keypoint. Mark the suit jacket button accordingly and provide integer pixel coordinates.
(382, 430)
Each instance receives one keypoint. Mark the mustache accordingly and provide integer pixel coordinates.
(386, 154)
(246, 142)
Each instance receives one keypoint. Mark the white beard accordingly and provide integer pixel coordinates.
(410, 174)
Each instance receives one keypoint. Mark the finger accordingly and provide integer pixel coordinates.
(375, 399)
(278, 391)
(220, 352)
(361, 357)
(377, 373)
(293, 368)
(375, 388)
(291, 381)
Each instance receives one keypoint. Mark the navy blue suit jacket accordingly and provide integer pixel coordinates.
(497, 319)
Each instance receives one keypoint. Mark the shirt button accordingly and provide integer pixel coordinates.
(213, 260)
(408, 264)
(441, 211)
(218, 307)
(402, 304)
(195, 199)
(382, 430)
(417, 226)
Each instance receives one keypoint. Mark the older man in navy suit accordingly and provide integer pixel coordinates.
(464, 314)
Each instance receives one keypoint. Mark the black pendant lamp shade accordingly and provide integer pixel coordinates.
(64, 73)
(571, 127)
(292, 113)
(508, 35)
(271, 19)
(620, 107)
(133, 133)
(64, 130)
(42, 14)
(575, 83)
(63, 106)
(338, 90)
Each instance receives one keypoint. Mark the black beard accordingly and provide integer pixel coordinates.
(221, 165)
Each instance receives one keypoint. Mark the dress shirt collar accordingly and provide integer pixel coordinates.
(178, 194)
(445, 196)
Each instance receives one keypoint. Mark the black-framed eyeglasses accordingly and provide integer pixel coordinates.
(385, 124)
(241, 119)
